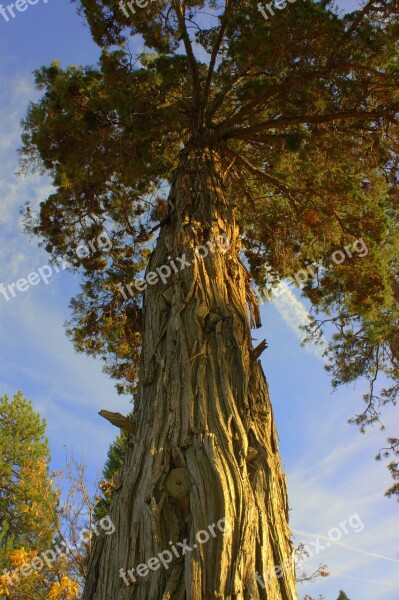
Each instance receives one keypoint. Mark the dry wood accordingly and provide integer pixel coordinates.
(203, 412)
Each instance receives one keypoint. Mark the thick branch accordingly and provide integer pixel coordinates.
(265, 176)
(190, 53)
(118, 420)
(246, 132)
(215, 52)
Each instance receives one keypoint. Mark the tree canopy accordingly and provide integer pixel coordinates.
(28, 509)
(24, 477)
(302, 112)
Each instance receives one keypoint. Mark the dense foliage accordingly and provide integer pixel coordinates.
(302, 111)
(28, 508)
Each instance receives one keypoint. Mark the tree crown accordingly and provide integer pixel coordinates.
(301, 111)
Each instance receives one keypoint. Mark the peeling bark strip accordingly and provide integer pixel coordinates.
(203, 417)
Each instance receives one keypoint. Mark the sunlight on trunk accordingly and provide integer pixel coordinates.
(206, 445)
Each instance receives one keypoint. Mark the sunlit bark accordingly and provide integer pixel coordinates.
(203, 408)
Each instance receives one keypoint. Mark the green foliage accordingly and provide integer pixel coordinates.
(342, 596)
(25, 486)
(302, 112)
(112, 469)
(30, 515)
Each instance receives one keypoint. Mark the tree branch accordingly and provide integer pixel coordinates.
(225, 92)
(268, 178)
(349, 32)
(180, 13)
(246, 132)
(215, 52)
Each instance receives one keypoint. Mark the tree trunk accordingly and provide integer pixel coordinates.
(205, 446)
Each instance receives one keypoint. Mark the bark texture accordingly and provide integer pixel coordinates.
(205, 445)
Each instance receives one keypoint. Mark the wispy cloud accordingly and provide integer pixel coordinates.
(67, 389)
(294, 313)
(334, 479)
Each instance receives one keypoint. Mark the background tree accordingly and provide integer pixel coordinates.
(279, 135)
(111, 474)
(77, 515)
(24, 470)
(342, 596)
(29, 515)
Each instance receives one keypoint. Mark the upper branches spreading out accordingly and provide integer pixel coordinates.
(303, 112)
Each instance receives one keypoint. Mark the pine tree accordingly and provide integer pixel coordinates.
(28, 508)
(111, 474)
(276, 138)
(24, 479)
(342, 596)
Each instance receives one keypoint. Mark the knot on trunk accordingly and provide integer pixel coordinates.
(178, 483)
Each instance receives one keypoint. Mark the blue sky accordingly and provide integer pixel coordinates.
(330, 467)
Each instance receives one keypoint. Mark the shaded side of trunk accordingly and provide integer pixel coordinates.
(206, 446)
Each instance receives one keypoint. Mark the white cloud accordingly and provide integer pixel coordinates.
(333, 480)
(294, 313)
(36, 356)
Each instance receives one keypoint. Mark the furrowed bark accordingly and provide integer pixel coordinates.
(205, 446)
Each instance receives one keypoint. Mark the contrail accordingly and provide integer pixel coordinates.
(323, 537)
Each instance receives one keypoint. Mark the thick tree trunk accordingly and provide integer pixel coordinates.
(205, 446)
